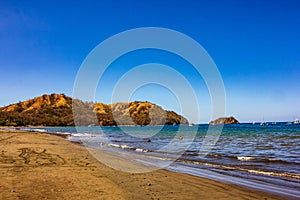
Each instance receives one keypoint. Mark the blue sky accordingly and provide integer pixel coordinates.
(255, 45)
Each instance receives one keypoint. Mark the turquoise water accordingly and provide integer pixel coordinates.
(267, 155)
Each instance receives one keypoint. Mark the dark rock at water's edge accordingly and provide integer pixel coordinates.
(224, 120)
(58, 110)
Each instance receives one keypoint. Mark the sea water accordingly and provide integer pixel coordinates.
(261, 157)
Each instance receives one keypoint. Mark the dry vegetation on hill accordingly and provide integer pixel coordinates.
(56, 110)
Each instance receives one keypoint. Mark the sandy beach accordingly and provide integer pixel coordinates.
(43, 166)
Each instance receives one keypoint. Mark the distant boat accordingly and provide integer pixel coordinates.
(264, 124)
(191, 124)
(296, 121)
(289, 123)
(253, 122)
(274, 123)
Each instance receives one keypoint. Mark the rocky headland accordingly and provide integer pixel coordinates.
(61, 110)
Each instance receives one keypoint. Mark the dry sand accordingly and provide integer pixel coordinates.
(44, 166)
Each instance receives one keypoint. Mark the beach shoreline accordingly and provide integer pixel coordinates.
(42, 165)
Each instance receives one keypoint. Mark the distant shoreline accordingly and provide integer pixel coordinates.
(270, 123)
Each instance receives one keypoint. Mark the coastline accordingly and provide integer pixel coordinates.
(57, 168)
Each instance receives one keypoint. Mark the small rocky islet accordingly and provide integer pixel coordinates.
(224, 120)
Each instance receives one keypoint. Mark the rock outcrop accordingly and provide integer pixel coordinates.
(61, 110)
(224, 120)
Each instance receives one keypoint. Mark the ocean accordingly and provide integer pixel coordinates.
(261, 157)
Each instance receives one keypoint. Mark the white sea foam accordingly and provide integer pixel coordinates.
(125, 147)
(36, 130)
(141, 150)
(114, 145)
(40, 130)
(81, 134)
(290, 175)
(245, 158)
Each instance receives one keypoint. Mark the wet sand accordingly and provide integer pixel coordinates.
(44, 166)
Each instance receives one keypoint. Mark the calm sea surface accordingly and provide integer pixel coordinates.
(261, 157)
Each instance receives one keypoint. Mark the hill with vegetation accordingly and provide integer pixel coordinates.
(61, 110)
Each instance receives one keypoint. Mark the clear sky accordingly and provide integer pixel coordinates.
(255, 45)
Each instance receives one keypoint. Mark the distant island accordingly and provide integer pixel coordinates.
(224, 120)
(57, 110)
